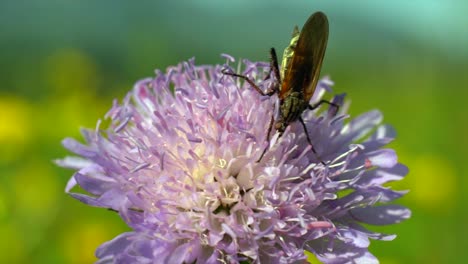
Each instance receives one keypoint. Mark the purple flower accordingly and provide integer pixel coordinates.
(180, 164)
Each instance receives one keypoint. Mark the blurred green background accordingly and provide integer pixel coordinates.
(62, 63)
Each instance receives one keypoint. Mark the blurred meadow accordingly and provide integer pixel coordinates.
(63, 62)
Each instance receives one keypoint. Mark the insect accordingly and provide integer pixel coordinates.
(298, 78)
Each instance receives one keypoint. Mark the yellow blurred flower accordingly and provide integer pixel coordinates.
(15, 127)
(12, 245)
(433, 182)
(89, 236)
(37, 190)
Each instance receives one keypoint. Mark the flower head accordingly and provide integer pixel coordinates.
(180, 164)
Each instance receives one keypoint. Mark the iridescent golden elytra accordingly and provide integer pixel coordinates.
(300, 71)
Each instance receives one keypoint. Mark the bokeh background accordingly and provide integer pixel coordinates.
(62, 63)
